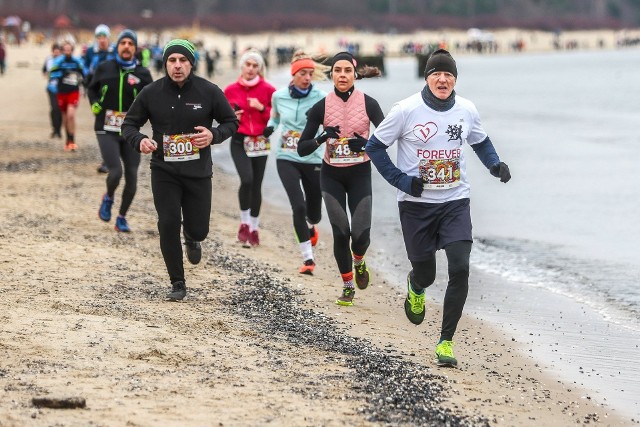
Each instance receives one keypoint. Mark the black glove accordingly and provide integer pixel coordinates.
(328, 132)
(416, 186)
(267, 131)
(501, 170)
(357, 143)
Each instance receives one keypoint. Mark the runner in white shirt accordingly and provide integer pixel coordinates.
(433, 192)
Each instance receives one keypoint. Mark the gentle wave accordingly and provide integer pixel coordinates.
(606, 288)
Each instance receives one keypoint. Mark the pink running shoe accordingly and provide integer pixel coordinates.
(243, 233)
(254, 239)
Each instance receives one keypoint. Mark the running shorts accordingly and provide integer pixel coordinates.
(428, 227)
(67, 99)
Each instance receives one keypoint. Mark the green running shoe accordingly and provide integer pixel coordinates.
(414, 305)
(444, 353)
(362, 275)
(347, 297)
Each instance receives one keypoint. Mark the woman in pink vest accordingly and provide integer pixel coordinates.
(346, 115)
(250, 97)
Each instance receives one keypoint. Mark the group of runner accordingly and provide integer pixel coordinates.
(324, 151)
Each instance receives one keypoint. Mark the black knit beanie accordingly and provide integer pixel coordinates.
(128, 34)
(184, 47)
(441, 60)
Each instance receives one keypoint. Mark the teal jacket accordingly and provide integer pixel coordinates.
(290, 115)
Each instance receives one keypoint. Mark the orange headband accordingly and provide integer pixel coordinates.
(302, 63)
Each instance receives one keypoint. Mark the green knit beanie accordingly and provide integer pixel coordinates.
(184, 47)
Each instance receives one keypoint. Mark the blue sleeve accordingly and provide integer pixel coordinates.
(83, 69)
(377, 152)
(486, 153)
(88, 57)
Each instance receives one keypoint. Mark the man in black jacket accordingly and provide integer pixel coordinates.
(111, 91)
(181, 107)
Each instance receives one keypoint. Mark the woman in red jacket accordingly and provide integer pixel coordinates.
(250, 97)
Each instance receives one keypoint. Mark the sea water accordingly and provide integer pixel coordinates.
(560, 238)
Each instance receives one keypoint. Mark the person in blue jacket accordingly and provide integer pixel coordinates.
(65, 79)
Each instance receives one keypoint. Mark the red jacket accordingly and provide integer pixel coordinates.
(253, 121)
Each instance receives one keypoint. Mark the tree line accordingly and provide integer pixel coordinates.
(246, 16)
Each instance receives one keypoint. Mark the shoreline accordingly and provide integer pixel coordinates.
(107, 328)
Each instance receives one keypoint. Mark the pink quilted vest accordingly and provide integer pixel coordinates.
(352, 118)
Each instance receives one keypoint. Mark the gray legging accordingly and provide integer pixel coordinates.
(350, 184)
(113, 148)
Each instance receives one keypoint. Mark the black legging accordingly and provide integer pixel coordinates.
(251, 172)
(54, 113)
(339, 184)
(306, 201)
(180, 200)
(424, 274)
(114, 148)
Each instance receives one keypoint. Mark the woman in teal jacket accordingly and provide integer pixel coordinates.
(299, 175)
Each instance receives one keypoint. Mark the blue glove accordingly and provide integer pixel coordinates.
(53, 86)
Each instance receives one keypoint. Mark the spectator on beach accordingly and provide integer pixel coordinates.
(114, 86)
(234, 51)
(65, 78)
(144, 56)
(433, 190)
(346, 115)
(300, 176)
(181, 108)
(54, 111)
(211, 59)
(250, 97)
(156, 58)
(3, 56)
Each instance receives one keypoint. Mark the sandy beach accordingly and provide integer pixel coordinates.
(254, 343)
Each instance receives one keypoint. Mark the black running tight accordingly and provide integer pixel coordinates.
(54, 113)
(352, 185)
(180, 200)
(251, 172)
(424, 274)
(114, 148)
(306, 201)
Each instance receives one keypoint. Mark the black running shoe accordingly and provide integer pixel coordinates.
(178, 291)
(194, 250)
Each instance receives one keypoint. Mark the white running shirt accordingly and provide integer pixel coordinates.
(430, 145)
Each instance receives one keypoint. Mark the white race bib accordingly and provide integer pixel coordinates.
(179, 148)
(256, 146)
